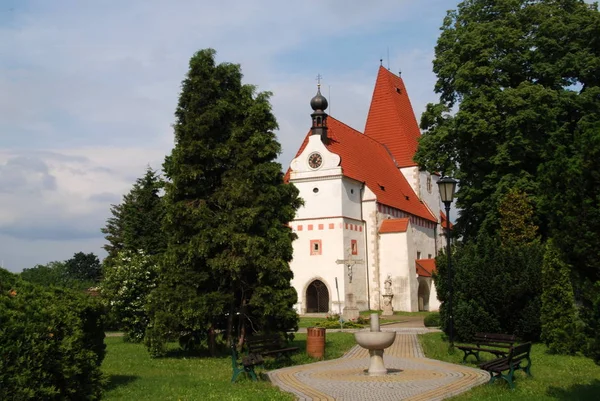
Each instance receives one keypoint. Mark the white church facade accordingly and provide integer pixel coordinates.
(371, 221)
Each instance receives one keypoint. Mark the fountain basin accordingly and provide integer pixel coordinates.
(375, 342)
(375, 339)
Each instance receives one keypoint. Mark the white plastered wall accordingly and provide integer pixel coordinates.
(393, 260)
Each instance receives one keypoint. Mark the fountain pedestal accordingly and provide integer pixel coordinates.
(375, 341)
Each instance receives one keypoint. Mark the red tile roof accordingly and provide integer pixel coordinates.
(425, 267)
(443, 221)
(394, 226)
(391, 120)
(364, 159)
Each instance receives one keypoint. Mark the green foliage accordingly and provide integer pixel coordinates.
(55, 274)
(519, 74)
(227, 213)
(561, 327)
(592, 347)
(136, 223)
(125, 289)
(516, 219)
(496, 288)
(432, 320)
(84, 267)
(522, 78)
(51, 342)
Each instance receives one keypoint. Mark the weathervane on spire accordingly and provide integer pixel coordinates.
(319, 77)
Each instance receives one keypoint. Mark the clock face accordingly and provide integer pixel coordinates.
(315, 160)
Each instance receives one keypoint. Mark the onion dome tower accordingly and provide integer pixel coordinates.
(319, 118)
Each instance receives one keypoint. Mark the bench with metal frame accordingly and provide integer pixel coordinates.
(514, 361)
(497, 344)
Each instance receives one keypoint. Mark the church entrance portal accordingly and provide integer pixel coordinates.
(317, 298)
(423, 295)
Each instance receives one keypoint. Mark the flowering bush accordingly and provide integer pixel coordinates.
(125, 289)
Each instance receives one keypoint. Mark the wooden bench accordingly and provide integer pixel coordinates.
(268, 345)
(497, 344)
(246, 365)
(512, 362)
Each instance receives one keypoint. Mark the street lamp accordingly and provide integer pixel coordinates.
(447, 187)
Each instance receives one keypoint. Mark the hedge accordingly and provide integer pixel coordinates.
(51, 342)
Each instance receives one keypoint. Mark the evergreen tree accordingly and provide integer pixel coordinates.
(516, 219)
(561, 330)
(228, 209)
(136, 223)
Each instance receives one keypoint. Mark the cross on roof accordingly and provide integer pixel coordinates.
(319, 77)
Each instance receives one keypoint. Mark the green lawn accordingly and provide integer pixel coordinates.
(398, 313)
(133, 375)
(555, 377)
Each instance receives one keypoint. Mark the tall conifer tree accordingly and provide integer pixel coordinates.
(229, 244)
(136, 223)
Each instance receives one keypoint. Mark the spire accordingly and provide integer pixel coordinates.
(391, 119)
(319, 118)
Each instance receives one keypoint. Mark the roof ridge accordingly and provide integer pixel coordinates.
(343, 123)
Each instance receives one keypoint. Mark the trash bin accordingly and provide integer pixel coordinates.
(315, 342)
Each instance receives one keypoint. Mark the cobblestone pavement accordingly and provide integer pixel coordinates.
(411, 376)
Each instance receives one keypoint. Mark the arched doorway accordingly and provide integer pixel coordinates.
(317, 298)
(423, 294)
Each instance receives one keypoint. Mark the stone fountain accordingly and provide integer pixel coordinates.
(375, 341)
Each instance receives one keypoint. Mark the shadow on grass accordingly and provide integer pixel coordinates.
(577, 392)
(115, 381)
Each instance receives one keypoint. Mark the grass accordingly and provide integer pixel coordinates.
(310, 321)
(397, 313)
(132, 375)
(555, 377)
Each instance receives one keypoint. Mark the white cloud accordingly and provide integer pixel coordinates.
(89, 90)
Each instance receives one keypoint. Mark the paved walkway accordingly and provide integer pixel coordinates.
(411, 376)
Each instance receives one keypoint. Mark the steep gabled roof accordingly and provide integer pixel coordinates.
(391, 120)
(364, 159)
(394, 226)
(425, 267)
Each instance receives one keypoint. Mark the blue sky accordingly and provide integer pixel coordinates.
(89, 89)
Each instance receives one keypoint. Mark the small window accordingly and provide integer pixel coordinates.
(429, 183)
(354, 247)
(315, 190)
(418, 254)
(315, 247)
(428, 256)
(352, 191)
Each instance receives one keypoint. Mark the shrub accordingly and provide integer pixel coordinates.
(125, 289)
(432, 320)
(496, 288)
(51, 342)
(561, 326)
(333, 322)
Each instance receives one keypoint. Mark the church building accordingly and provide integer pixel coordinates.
(370, 226)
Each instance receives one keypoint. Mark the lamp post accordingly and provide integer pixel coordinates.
(447, 187)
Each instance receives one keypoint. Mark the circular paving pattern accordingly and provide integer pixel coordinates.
(411, 377)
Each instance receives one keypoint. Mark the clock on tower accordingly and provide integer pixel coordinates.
(315, 160)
